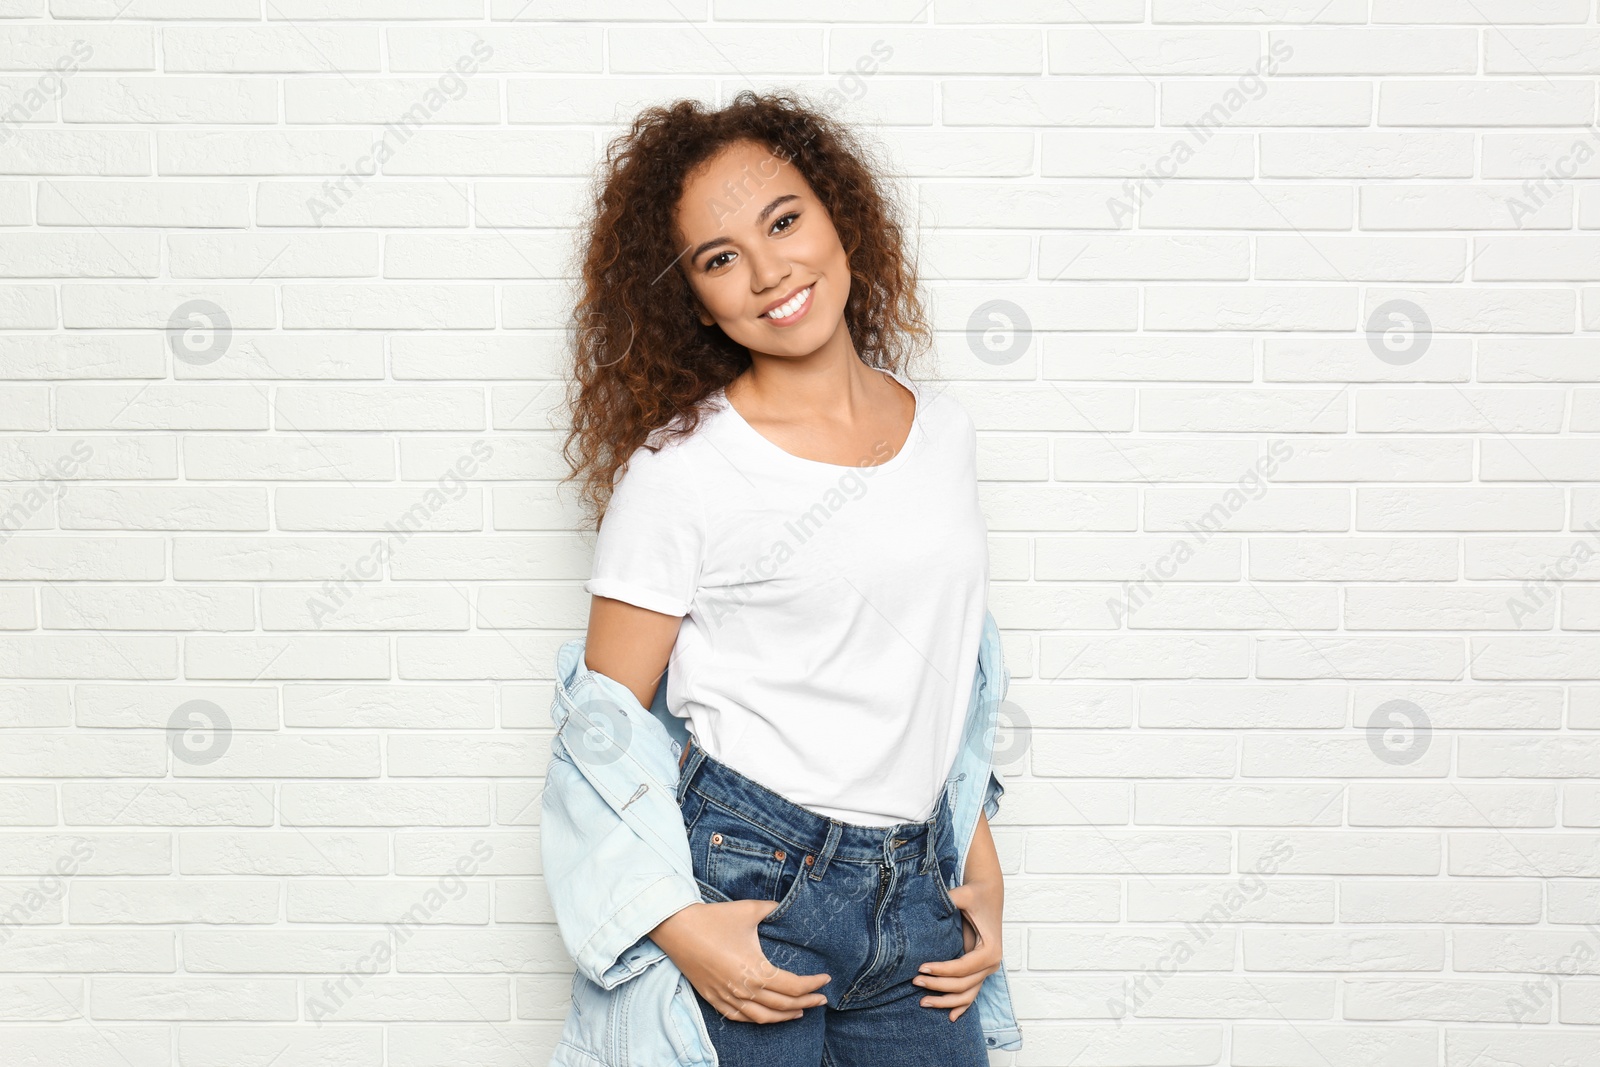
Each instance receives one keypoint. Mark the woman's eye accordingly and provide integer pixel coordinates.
(717, 261)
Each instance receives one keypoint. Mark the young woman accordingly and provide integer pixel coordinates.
(792, 524)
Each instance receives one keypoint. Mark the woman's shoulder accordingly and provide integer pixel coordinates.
(669, 453)
(939, 408)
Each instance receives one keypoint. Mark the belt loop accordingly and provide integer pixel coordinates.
(687, 765)
(835, 831)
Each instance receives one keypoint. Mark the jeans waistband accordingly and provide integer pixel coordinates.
(820, 838)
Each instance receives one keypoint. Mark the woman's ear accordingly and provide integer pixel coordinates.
(700, 312)
(695, 305)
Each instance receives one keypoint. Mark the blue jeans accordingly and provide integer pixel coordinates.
(864, 904)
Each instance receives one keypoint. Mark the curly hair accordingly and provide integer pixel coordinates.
(642, 360)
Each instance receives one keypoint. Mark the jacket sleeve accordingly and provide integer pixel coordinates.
(995, 788)
(612, 846)
(609, 888)
(991, 797)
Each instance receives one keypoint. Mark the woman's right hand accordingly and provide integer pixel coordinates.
(715, 945)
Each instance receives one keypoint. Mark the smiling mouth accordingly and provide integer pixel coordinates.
(790, 310)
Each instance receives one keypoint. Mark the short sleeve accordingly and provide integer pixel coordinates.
(649, 547)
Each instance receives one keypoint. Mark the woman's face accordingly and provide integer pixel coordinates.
(758, 244)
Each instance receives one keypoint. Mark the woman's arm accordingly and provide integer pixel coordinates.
(714, 944)
(630, 644)
(983, 861)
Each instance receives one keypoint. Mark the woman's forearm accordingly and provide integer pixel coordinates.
(983, 862)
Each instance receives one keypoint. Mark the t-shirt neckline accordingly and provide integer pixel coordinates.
(896, 460)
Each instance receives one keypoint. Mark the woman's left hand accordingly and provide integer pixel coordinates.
(956, 982)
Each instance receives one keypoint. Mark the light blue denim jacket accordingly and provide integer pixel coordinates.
(616, 862)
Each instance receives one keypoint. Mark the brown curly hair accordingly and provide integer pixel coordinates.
(642, 360)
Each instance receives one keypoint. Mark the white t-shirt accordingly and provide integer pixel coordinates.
(832, 613)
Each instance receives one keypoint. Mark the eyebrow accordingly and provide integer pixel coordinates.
(762, 217)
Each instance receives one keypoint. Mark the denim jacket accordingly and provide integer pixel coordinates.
(616, 862)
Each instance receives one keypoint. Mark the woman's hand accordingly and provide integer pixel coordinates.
(981, 900)
(958, 980)
(716, 946)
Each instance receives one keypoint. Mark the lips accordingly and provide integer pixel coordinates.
(791, 307)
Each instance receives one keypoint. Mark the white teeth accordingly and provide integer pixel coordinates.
(785, 310)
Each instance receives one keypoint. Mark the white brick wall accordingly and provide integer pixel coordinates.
(1304, 625)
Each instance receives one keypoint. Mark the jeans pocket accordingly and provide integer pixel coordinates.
(944, 866)
(742, 864)
(790, 883)
(936, 873)
(735, 859)
(709, 893)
